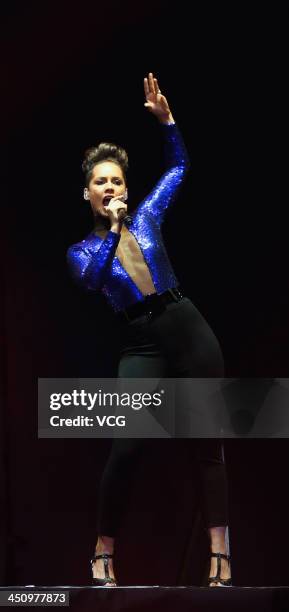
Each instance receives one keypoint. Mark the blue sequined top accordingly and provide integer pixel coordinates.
(92, 261)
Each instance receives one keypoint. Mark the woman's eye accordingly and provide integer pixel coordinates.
(117, 182)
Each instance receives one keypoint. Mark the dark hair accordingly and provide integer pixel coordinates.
(105, 151)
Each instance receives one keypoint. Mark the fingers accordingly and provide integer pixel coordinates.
(146, 88)
(116, 211)
(157, 89)
(115, 198)
(151, 85)
(116, 203)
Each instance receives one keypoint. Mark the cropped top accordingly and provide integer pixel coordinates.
(93, 262)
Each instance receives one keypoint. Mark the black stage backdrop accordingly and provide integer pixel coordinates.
(72, 77)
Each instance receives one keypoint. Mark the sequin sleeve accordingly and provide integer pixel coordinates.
(90, 263)
(177, 164)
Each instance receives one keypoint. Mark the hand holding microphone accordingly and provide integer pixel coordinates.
(122, 215)
(117, 211)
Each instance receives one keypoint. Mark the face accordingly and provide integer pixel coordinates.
(107, 181)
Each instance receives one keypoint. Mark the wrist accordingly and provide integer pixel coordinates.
(115, 228)
(167, 119)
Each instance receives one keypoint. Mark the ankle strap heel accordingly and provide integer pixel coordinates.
(217, 578)
(107, 579)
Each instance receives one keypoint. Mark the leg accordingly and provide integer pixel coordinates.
(121, 466)
(194, 352)
(113, 496)
(219, 539)
(210, 456)
(104, 545)
(114, 488)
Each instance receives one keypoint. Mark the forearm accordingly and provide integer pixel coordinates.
(175, 151)
(101, 260)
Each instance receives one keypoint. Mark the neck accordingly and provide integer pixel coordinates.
(100, 223)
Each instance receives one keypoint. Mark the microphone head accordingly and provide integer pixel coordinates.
(127, 220)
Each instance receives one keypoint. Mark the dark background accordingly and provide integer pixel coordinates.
(73, 76)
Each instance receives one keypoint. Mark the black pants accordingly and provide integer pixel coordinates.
(177, 343)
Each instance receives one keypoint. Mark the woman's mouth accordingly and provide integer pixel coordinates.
(106, 200)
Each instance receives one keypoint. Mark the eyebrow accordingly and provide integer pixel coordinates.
(104, 177)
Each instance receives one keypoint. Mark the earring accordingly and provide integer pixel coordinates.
(85, 194)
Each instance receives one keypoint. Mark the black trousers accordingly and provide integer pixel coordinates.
(177, 343)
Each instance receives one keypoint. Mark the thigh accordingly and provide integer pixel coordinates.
(140, 357)
(142, 366)
(138, 362)
(187, 341)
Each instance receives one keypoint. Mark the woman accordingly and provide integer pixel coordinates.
(164, 333)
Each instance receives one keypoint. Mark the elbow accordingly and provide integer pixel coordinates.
(89, 282)
(84, 275)
(186, 164)
(83, 280)
(92, 279)
(182, 170)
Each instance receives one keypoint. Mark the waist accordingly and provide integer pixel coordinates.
(152, 305)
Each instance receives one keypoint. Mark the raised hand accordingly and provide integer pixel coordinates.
(156, 102)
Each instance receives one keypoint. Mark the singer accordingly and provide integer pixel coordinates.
(164, 334)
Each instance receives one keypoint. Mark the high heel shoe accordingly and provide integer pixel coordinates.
(220, 581)
(107, 578)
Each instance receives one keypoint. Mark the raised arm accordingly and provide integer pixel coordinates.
(176, 157)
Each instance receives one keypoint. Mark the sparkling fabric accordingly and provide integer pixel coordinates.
(93, 262)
